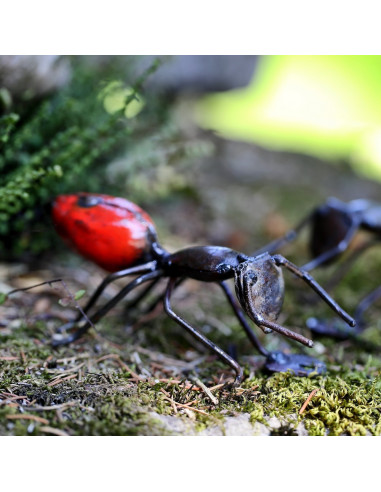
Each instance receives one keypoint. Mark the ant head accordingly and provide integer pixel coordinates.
(259, 287)
(330, 225)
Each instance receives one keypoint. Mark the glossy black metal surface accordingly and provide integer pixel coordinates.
(205, 263)
(333, 226)
(298, 364)
(259, 287)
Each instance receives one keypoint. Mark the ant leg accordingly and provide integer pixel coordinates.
(364, 305)
(299, 364)
(146, 267)
(106, 308)
(261, 322)
(201, 338)
(241, 318)
(287, 238)
(160, 297)
(142, 295)
(344, 267)
(334, 329)
(282, 261)
(337, 330)
(340, 248)
(245, 293)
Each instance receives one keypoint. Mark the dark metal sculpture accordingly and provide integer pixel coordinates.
(333, 226)
(96, 224)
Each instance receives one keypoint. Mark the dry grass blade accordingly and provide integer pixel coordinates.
(23, 358)
(69, 371)
(128, 369)
(207, 391)
(122, 364)
(66, 360)
(53, 407)
(27, 416)
(182, 405)
(11, 396)
(193, 409)
(168, 397)
(177, 381)
(52, 430)
(10, 401)
(60, 380)
(304, 406)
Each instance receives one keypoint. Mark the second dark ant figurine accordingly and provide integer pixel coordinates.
(119, 236)
(333, 226)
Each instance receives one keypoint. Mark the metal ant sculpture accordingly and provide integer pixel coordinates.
(119, 236)
(334, 328)
(333, 226)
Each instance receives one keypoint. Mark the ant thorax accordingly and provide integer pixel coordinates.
(371, 217)
(259, 287)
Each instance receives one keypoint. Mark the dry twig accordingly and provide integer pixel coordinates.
(60, 380)
(122, 364)
(207, 391)
(53, 407)
(52, 430)
(182, 405)
(27, 416)
(310, 396)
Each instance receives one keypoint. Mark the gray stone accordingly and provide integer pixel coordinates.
(239, 425)
(33, 75)
(174, 425)
(200, 73)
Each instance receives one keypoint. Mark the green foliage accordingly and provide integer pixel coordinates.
(65, 143)
(48, 148)
(7, 123)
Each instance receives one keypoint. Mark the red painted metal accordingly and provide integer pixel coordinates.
(112, 233)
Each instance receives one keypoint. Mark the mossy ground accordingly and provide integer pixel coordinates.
(117, 380)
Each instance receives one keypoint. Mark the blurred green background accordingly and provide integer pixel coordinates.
(327, 106)
(183, 129)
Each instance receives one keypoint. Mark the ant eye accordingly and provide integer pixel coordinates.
(242, 257)
(88, 201)
(252, 276)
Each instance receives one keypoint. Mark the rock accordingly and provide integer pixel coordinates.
(174, 425)
(239, 425)
(199, 74)
(33, 76)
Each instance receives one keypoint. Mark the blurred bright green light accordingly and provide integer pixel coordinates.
(114, 96)
(328, 106)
